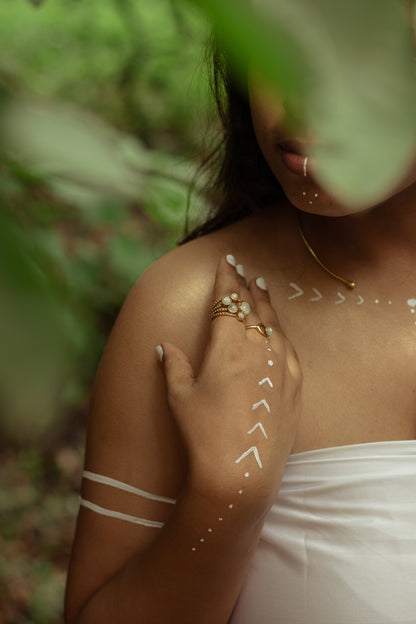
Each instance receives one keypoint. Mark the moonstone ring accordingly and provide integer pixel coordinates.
(230, 305)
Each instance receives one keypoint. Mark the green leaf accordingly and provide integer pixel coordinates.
(66, 144)
(353, 65)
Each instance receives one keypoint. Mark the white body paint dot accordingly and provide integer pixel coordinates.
(209, 530)
(304, 193)
(376, 301)
(270, 362)
(240, 491)
(202, 539)
(246, 474)
(230, 506)
(220, 519)
(411, 303)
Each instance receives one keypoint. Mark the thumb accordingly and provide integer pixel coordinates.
(176, 366)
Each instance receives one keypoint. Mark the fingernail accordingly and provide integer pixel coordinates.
(261, 283)
(231, 260)
(240, 270)
(159, 352)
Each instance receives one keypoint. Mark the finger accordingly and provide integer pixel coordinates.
(263, 305)
(229, 281)
(269, 318)
(178, 371)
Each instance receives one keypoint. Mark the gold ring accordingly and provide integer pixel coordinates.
(230, 305)
(262, 329)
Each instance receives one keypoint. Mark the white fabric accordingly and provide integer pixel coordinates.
(339, 544)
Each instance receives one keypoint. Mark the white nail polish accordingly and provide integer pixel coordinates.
(240, 270)
(231, 260)
(159, 352)
(261, 283)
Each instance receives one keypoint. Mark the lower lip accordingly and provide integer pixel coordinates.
(294, 162)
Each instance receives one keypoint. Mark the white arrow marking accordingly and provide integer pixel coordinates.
(360, 300)
(299, 291)
(266, 380)
(254, 450)
(262, 402)
(318, 297)
(341, 298)
(260, 426)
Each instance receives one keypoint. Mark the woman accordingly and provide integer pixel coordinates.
(218, 486)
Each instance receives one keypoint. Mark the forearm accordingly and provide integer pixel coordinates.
(192, 572)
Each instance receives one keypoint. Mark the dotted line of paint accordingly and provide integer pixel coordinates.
(299, 292)
(253, 449)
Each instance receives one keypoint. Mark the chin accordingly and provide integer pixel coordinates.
(318, 202)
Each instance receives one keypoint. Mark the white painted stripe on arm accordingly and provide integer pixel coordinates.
(98, 478)
(120, 516)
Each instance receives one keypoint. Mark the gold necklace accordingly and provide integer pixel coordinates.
(348, 283)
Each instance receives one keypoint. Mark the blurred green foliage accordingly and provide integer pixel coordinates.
(100, 102)
(101, 108)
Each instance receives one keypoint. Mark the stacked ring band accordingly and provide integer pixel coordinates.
(230, 306)
(262, 329)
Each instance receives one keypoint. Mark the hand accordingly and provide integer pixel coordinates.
(238, 417)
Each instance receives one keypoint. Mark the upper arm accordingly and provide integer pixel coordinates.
(131, 434)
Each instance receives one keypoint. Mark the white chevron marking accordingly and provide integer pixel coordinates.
(341, 298)
(260, 426)
(361, 300)
(253, 450)
(266, 380)
(318, 297)
(299, 291)
(262, 402)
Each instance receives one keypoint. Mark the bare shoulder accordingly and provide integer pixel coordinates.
(170, 301)
(131, 434)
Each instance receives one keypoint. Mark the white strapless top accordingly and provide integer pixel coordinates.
(339, 544)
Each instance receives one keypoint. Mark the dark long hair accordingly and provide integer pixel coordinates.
(239, 179)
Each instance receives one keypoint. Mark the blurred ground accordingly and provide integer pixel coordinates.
(38, 505)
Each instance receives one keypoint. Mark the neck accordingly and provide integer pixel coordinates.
(380, 241)
(393, 219)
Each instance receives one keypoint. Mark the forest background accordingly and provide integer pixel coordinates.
(106, 100)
